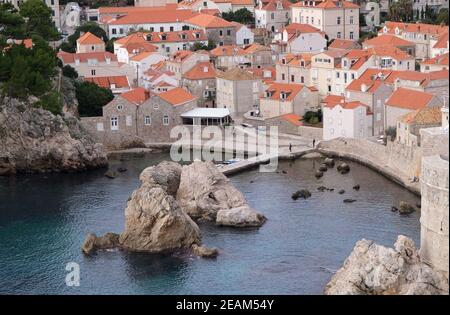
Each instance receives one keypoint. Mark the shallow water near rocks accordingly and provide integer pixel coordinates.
(45, 218)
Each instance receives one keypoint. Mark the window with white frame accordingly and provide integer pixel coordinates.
(128, 120)
(147, 120)
(165, 120)
(114, 123)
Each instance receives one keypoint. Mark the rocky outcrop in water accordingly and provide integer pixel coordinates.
(154, 222)
(377, 270)
(34, 140)
(204, 192)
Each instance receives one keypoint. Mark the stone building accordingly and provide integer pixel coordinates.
(260, 56)
(238, 90)
(137, 115)
(218, 30)
(200, 81)
(292, 68)
(409, 126)
(88, 42)
(184, 60)
(273, 15)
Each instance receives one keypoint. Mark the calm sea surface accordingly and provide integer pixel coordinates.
(45, 218)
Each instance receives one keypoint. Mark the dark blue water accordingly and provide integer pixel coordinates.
(45, 218)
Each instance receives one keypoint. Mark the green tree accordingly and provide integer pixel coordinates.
(39, 19)
(16, 86)
(242, 16)
(442, 17)
(401, 10)
(69, 72)
(91, 98)
(52, 102)
(12, 24)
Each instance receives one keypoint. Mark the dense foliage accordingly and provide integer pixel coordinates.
(313, 117)
(242, 16)
(91, 98)
(69, 72)
(199, 46)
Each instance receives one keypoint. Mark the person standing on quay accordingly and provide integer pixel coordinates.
(314, 143)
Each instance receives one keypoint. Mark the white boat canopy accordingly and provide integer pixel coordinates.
(207, 116)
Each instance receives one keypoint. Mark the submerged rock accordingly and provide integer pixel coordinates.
(240, 217)
(110, 174)
(302, 193)
(204, 191)
(329, 162)
(405, 208)
(205, 252)
(343, 168)
(92, 243)
(373, 269)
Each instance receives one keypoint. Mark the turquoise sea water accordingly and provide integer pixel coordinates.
(45, 218)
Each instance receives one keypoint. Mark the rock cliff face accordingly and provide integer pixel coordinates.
(34, 140)
(206, 193)
(376, 270)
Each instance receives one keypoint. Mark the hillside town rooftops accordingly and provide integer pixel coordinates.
(201, 71)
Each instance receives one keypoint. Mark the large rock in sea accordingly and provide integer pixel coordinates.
(34, 140)
(154, 222)
(204, 191)
(377, 270)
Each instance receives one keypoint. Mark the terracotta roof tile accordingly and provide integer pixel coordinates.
(387, 40)
(208, 21)
(272, 5)
(84, 57)
(89, 39)
(290, 89)
(154, 16)
(344, 44)
(409, 99)
(138, 95)
(236, 74)
(201, 71)
(120, 81)
(438, 60)
(227, 50)
(293, 119)
(177, 96)
(424, 116)
(414, 28)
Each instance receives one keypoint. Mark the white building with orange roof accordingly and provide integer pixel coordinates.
(217, 30)
(88, 42)
(157, 81)
(143, 61)
(439, 45)
(170, 42)
(200, 81)
(346, 119)
(333, 70)
(287, 98)
(435, 82)
(390, 40)
(244, 36)
(182, 61)
(300, 38)
(338, 19)
(117, 84)
(435, 64)
(389, 57)
(129, 46)
(420, 34)
(273, 15)
(294, 68)
(97, 64)
(230, 56)
(197, 5)
(153, 20)
(404, 101)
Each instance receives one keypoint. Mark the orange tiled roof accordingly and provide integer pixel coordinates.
(267, 74)
(208, 21)
(272, 5)
(332, 99)
(28, 42)
(235, 74)
(424, 116)
(142, 55)
(84, 57)
(181, 55)
(348, 105)
(390, 51)
(409, 99)
(201, 71)
(177, 96)
(293, 119)
(438, 60)
(300, 28)
(414, 28)
(89, 39)
(290, 89)
(120, 81)
(442, 41)
(138, 95)
(255, 47)
(344, 44)
(387, 39)
(154, 16)
(326, 4)
(295, 59)
(227, 50)
(140, 47)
